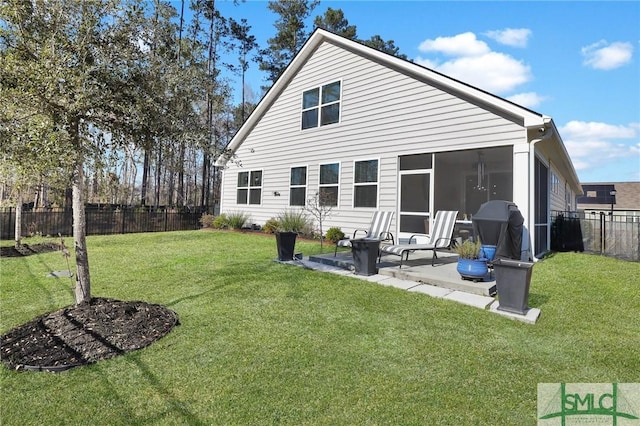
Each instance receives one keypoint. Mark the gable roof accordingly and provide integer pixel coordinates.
(522, 115)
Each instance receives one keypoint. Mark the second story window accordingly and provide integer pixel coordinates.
(321, 105)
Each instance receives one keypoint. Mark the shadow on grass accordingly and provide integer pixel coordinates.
(537, 300)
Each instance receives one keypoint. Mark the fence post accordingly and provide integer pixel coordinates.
(602, 233)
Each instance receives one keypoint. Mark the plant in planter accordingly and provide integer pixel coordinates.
(290, 224)
(472, 265)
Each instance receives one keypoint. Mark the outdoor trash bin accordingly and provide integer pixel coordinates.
(365, 255)
(512, 282)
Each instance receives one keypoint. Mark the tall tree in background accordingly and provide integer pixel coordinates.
(334, 21)
(290, 35)
(384, 46)
(244, 42)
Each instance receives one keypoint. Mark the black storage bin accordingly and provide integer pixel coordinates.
(513, 278)
(365, 255)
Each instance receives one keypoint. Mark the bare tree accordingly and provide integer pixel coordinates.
(320, 208)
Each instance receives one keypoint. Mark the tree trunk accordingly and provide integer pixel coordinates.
(145, 173)
(18, 224)
(180, 200)
(83, 282)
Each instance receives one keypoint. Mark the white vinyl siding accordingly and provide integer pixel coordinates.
(382, 113)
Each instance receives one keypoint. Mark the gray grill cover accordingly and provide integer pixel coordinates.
(499, 223)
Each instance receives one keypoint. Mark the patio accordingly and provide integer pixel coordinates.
(418, 268)
(417, 275)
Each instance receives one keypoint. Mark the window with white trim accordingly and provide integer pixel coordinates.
(298, 186)
(555, 183)
(321, 105)
(365, 183)
(249, 189)
(329, 183)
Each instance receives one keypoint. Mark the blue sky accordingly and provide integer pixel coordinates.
(577, 62)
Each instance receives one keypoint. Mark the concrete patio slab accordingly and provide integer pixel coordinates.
(482, 302)
(418, 268)
(60, 274)
(530, 317)
(431, 290)
(397, 283)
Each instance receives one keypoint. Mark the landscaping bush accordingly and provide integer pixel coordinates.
(334, 234)
(236, 220)
(220, 222)
(271, 226)
(206, 220)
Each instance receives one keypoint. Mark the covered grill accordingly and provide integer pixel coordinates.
(500, 223)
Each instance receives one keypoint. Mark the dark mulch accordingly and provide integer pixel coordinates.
(27, 250)
(85, 333)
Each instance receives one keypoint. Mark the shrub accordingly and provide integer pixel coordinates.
(334, 234)
(295, 221)
(271, 226)
(220, 222)
(206, 220)
(236, 220)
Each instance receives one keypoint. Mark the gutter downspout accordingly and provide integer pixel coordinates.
(548, 131)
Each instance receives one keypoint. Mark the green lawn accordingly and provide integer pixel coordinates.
(266, 343)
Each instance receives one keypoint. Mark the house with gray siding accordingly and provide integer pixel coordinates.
(370, 131)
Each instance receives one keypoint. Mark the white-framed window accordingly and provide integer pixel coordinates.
(329, 184)
(365, 183)
(321, 105)
(298, 186)
(555, 183)
(249, 189)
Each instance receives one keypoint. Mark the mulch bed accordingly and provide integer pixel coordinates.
(27, 250)
(86, 333)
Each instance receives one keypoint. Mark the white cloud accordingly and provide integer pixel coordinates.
(465, 44)
(494, 72)
(516, 37)
(582, 130)
(528, 99)
(473, 62)
(594, 145)
(605, 56)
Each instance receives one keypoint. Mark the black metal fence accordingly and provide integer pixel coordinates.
(99, 222)
(596, 232)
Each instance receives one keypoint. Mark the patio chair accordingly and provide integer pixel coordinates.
(441, 238)
(379, 229)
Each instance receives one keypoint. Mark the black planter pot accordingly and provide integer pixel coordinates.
(513, 278)
(286, 243)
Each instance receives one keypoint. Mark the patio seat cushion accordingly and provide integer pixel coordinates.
(399, 249)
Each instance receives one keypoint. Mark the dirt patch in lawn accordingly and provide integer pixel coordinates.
(85, 333)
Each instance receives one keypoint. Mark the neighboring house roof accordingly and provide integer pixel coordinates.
(516, 113)
(597, 196)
